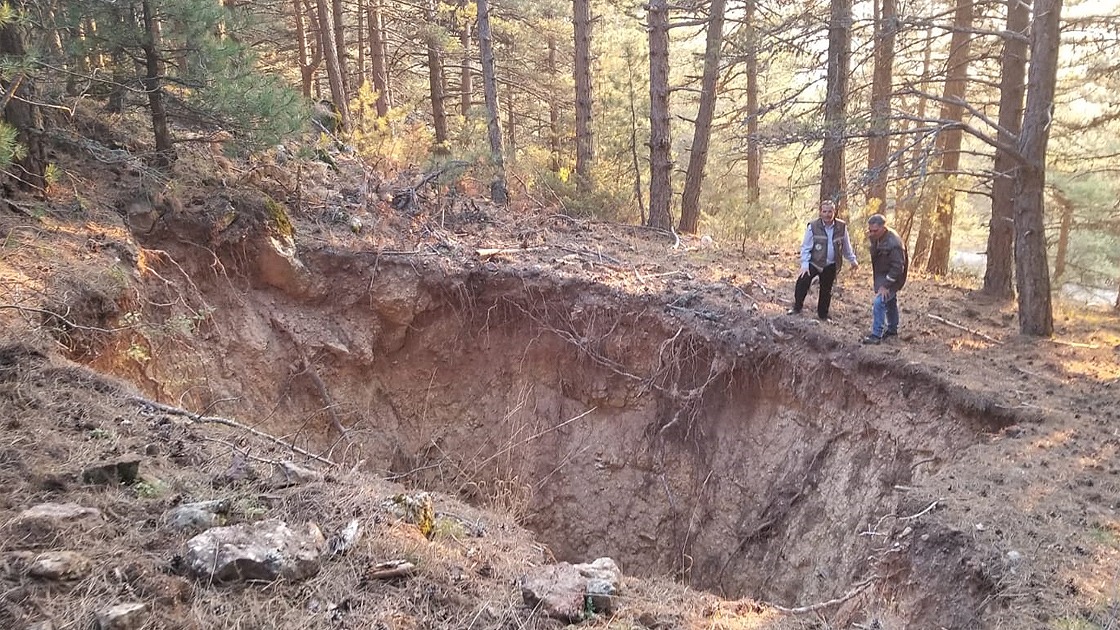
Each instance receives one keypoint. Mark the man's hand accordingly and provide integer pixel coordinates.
(804, 271)
(855, 266)
(884, 293)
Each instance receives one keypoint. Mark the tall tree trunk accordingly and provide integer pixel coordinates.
(23, 115)
(702, 133)
(340, 44)
(511, 145)
(952, 111)
(1065, 223)
(465, 83)
(153, 67)
(998, 271)
(309, 56)
(361, 70)
(377, 63)
(839, 53)
(1032, 274)
(754, 147)
(660, 140)
(490, 88)
(435, 82)
(878, 145)
(635, 162)
(554, 148)
(334, 67)
(911, 208)
(585, 145)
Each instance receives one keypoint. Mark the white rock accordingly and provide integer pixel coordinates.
(266, 551)
(122, 616)
(59, 565)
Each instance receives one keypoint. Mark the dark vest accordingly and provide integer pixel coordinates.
(818, 255)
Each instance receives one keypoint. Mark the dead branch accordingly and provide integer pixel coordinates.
(964, 328)
(1074, 344)
(177, 411)
(800, 610)
(391, 570)
(62, 319)
(405, 198)
(486, 253)
(313, 374)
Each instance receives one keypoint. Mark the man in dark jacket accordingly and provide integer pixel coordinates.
(824, 247)
(889, 264)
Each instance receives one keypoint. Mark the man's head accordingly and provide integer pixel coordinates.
(828, 211)
(876, 226)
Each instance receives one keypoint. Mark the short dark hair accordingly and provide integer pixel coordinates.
(876, 219)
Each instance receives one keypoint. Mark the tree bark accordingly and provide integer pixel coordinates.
(377, 56)
(836, 94)
(878, 145)
(585, 144)
(466, 87)
(635, 162)
(340, 44)
(1032, 275)
(25, 117)
(949, 140)
(309, 56)
(490, 89)
(660, 142)
(754, 148)
(435, 83)
(153, 67)
(702, 133)
(998, 271)
(334, 67)
(1065, 224)
(554, 148)
(909, 207)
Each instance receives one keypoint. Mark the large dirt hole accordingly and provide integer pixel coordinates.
(717, 450)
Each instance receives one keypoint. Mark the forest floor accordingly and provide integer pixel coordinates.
(1030, 490)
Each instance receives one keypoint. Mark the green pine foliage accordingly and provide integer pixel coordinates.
(212, 76)
(10, 150)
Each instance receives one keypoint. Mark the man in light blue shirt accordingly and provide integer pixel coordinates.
(825, 246)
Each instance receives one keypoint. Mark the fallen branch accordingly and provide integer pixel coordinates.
(177, 411)
(800, 610)
(1074, 344)
(392, 570)
(964, 328)
(320, 386)
(485, 253)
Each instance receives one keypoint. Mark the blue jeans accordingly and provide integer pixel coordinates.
(884, 315)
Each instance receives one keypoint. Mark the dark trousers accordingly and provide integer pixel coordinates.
(828, 276)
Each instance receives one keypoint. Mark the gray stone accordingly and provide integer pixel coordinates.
(59, 565)
(267, 551)
(47, 517)
(197, 516)
(122, 616)
(556, 590)
(125, 470)
(286, 474)
(567, 592)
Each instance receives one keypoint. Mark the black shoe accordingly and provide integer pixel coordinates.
(793, 311)
(890, 333)
(826, 319)
(872, 340)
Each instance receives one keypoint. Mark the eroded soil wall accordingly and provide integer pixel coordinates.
(716, 449)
